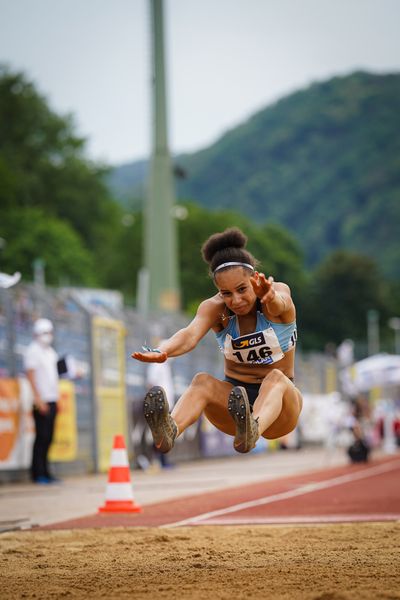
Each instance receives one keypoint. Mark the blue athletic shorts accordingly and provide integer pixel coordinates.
(252, 389)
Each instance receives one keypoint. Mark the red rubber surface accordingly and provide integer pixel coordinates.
(367, 492)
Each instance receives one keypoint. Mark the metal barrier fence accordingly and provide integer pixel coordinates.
(19, 308)
(94, 328)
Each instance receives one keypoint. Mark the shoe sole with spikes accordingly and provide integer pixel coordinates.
(246, 435)
(162, 425)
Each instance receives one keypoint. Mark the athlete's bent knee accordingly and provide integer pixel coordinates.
(274, 378)
(202, 379)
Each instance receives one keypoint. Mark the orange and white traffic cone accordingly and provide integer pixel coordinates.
(119, 493)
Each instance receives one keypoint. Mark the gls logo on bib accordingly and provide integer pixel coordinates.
(248, 341)
(258, 348)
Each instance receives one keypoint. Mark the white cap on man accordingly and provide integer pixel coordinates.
(42, 326)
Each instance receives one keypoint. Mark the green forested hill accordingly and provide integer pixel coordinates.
(324, 162)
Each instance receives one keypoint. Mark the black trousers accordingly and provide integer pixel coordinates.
(44, 425)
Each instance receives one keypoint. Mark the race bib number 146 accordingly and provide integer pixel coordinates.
(261, 347)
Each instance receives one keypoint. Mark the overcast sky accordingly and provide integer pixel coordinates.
(226, 59)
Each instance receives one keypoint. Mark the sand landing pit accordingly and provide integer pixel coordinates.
(324, 562)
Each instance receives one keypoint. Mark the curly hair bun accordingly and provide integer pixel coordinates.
(230, 238)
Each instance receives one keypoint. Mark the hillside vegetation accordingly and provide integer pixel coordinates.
(55, 206)
(323, 162)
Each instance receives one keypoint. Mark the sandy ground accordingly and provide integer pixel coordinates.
(324, 562)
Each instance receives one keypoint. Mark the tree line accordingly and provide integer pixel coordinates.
(323, 162)
(55, 205)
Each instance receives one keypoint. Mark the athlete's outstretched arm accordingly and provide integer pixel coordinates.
(185, 339)
(275, 295)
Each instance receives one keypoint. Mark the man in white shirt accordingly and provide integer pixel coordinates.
(42, 373)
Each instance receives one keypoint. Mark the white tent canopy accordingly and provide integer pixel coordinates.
(380, 370)
(7, 281)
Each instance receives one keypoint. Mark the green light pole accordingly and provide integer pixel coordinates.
(373, 332)
(160, 242)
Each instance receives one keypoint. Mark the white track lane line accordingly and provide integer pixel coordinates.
(302, 519)
(305, 489)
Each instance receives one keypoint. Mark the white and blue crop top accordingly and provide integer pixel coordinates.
(266, 345)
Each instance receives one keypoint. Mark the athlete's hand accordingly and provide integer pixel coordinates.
(150, 357)
(42, 407)
(263, 287)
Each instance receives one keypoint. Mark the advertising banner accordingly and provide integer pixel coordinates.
(16, 424)
(17, 428)
(109, 382)
(65, 440)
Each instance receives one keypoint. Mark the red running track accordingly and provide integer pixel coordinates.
(366, 492)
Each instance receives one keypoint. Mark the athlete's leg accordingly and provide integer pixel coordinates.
(278, 405)
(162, 425)
(205, 394)
(246, 426)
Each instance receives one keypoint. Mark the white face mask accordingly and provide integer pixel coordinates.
(45, 339)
